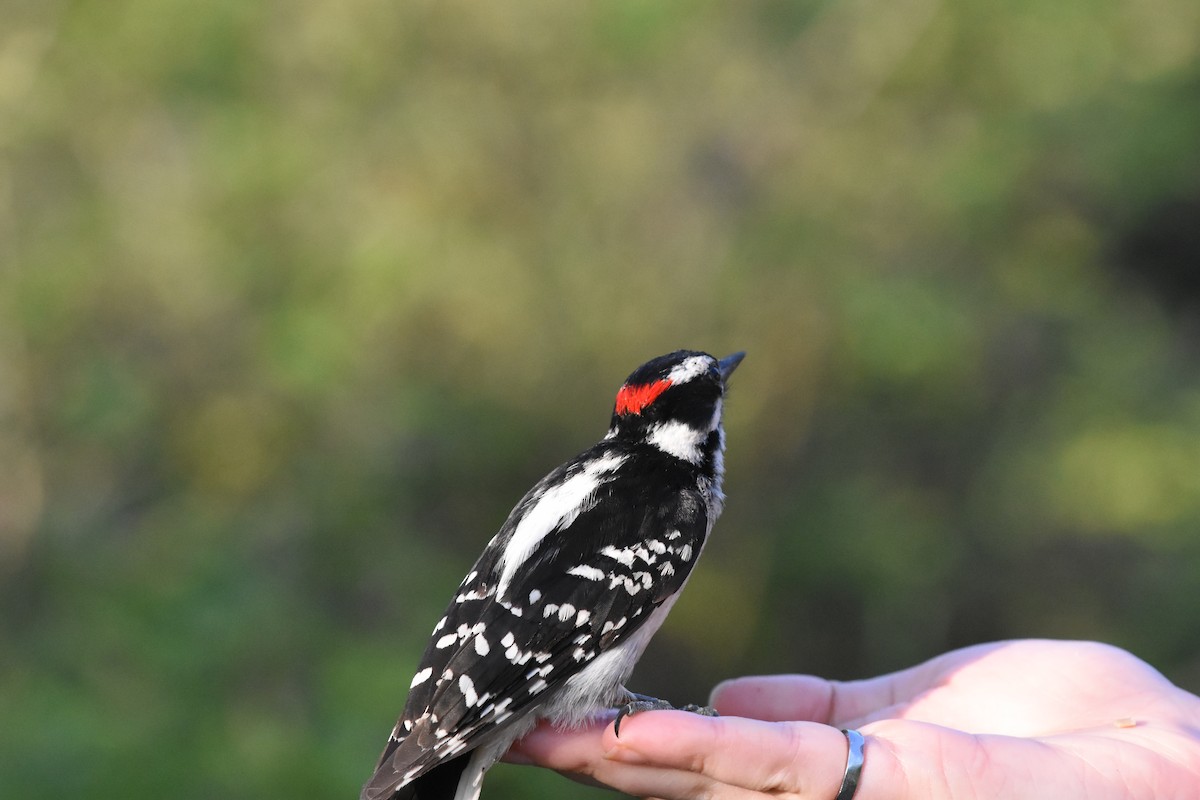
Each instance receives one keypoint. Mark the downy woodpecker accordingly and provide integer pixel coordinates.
(554, 615)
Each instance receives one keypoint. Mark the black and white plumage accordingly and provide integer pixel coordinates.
(554, 615)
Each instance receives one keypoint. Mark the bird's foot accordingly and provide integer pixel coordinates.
(704, 711)
(641, 702)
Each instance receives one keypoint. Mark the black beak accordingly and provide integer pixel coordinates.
(728, 364)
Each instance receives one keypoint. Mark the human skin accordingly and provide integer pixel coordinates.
(1021, 719)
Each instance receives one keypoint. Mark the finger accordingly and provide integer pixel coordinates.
(568, 752)
(774, 698)
(579, 754)
(559, 749)
(803, 758)
(668, 784)
(808, 698)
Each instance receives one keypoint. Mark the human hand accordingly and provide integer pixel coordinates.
(1022, 719)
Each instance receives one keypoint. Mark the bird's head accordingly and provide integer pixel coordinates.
(674, 402)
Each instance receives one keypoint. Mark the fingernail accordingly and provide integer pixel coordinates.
(625, 755)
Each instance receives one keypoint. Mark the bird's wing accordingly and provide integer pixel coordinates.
(584, 589)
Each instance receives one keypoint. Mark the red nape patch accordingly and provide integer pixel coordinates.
(632, 399)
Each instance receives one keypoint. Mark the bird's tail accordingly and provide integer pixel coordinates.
(439, 783)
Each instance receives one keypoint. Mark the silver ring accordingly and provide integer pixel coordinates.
(854, 763)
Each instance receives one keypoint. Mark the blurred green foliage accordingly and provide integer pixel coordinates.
(296, 299)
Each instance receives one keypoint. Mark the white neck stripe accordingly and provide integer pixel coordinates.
(677, 439)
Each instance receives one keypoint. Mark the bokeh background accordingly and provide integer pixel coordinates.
(297, 299)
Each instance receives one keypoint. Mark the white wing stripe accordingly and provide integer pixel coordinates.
(555, 509)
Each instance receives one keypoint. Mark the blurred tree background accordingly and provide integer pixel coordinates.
(297, 299)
